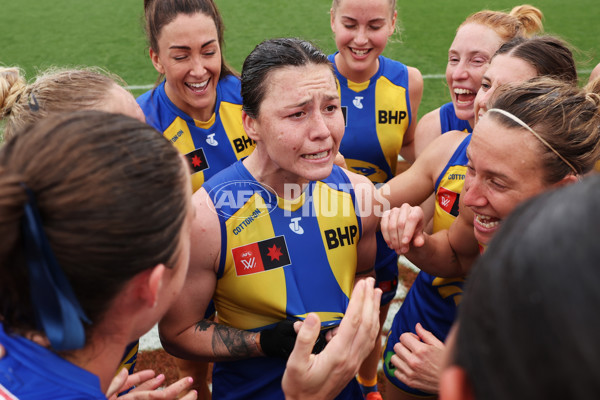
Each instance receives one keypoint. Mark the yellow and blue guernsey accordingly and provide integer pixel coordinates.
(29, 371)
(432, 301)
(450, 122)
(377, 115)
(280, 260)
(210, 145)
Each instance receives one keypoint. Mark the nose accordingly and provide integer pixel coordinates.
(472, 192)
(361, 38)
(319, 127)
(460, 72)
(197, 67)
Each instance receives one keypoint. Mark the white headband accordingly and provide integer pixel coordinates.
(541, 139)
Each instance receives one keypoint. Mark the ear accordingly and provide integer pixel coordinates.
(567, 180)
(332, 18)
(455, 385)
(393, 27)
(156, 62)
(250, 126)
(148, 283)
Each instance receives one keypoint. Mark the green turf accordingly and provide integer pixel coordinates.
(36, 34)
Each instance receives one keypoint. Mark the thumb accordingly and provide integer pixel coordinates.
(427, 337)
(305, 341)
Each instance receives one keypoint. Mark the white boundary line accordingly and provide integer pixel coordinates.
(427, 76)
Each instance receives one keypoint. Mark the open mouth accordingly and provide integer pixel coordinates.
(360, 53)
(198, 87)
(464, 96)
(487, 222)
(316, 156)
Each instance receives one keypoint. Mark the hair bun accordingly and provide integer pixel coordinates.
(12, 86)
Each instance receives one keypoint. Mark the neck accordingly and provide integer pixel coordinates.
(353, 75)
(262, 168)
(101, 356)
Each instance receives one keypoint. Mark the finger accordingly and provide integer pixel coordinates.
(173, 390)
(139, 377)
(150, 383)
(305, 341)
(411, 341)
(117, 383)
(297, 326)
(191, 395)
(428, 337)
(413, 226)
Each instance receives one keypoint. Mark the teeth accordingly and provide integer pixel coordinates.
(198, 85)
(360, 52)
(316, 156)
(462, 91)
(486, 221)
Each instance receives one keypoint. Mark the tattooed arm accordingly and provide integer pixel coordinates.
(183, 331)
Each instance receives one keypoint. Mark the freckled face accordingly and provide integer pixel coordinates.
(300, 123)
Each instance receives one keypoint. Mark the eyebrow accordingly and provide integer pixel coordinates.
(328, 97)
(176, 47)
(370, 21)
(489, 171)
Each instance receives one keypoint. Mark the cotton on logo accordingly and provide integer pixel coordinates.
(357, 102)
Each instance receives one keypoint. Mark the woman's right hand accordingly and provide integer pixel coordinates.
(402, 228)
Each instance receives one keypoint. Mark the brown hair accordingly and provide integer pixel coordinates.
(565, 116)
(54, 90)
(524, 20)
(549, 55)
(158, 13)
(112, 198)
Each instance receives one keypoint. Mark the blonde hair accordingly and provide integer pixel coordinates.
(524, 20)
(54, 90)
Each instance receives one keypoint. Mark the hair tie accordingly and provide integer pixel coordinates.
(541, 139)
(57, 311)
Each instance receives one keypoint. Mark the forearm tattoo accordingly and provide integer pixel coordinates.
(230, 343)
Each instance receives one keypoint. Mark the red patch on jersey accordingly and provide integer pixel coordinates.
(261, 256)
(448, 200)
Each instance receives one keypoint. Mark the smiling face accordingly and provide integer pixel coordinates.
(361, 29)
(504, 169)
(504, 68)
(299, 124)
(189, 56)
(468, 58)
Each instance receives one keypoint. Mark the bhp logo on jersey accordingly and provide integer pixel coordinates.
(340, 236)
(197, 160)
(242, 143)
(448, 201)
(391, 116)
(261, 256)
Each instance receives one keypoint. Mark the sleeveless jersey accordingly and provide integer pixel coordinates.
(209, 146)
(433, 301)
(450, 122)
(377, 114)
(279, 260)
(31, 372)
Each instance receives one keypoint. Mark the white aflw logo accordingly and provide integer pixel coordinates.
(211, 140)
(295, 225)
(357, 102)
(445, 201)
(249, 264)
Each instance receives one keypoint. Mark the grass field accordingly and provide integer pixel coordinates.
(36, 34)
